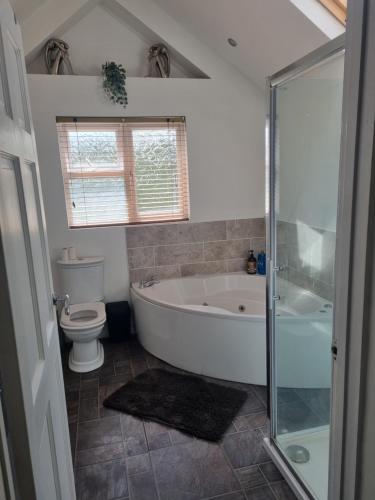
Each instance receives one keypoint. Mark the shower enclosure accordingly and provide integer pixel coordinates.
(304, 129)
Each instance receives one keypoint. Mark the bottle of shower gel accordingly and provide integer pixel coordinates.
(251, 263)
(261, 266)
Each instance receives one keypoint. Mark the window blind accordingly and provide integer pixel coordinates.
(126, 171)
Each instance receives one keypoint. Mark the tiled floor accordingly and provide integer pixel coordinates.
(117, 456)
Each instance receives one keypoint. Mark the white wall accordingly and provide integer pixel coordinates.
(225, 129)
(101, 37)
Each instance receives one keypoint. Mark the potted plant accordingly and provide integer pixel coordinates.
(114, 83)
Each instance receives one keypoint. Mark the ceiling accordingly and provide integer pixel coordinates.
(24, 8)
(270, 33)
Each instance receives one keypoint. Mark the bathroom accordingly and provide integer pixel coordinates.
(214, 272)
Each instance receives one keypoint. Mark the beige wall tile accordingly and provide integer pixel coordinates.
(224, 250)
(217, 267)
(236, 265)
(324, 290)
(151, 235)
(245, 228)
(141, 257)
(201, 231)
(160, 272)
(258, 244)
(185, 253)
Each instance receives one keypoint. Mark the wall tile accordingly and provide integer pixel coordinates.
(160, 272)
(188, 249)
(216, 267)
(236, 265)
(309, 254)
(141, 257)
(223, 250)
(149, 235)
(299, 279)
(258, 244)
(244, 228)
(201, 231)
(324, 290)
(179, 254)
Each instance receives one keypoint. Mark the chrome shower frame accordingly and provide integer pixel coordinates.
(272, 167)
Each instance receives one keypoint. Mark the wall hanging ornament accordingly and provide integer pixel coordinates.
(114, 83)
(56, 57)
(159, 61)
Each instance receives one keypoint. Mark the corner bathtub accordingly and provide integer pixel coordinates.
(216, 326)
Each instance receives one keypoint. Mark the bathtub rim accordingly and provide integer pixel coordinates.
(208, 312)
(225, 314)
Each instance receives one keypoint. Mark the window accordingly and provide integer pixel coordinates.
(126, 171)
(337, 8)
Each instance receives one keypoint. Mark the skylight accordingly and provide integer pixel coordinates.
(337, 8)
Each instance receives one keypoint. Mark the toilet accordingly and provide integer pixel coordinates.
(82, 280)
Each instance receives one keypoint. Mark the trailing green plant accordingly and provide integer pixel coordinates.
(114, 83)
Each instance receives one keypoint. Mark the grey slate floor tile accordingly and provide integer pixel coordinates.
(105, 481)
(192, 471)
(100, 454)
(98, 433)
(142, 486)
(245, 448)
(119, 456)
(260, 493)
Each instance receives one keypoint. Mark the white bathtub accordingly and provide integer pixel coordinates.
(216, 326)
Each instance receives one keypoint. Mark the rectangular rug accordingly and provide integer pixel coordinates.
(185, 402)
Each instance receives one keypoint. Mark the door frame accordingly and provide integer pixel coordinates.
(354, 281)
(319, 55)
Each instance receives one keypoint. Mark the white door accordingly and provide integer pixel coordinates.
(26, 266)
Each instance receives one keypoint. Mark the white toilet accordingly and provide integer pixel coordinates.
(82, 280)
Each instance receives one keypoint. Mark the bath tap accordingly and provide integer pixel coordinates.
(146, 283)
(65, 299)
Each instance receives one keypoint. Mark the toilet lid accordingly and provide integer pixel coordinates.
(83, 316)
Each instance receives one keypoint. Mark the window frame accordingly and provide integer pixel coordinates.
(338, 8)
(128, 171)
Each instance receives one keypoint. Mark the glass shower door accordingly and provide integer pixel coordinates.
(305, 128)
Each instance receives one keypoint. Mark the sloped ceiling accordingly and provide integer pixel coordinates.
(270, 33)
(24, 8)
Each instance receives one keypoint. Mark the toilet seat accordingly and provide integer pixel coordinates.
(83, 316)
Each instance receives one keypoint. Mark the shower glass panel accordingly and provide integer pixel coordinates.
(305, 130)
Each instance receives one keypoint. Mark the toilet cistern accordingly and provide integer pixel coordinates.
(65, 299)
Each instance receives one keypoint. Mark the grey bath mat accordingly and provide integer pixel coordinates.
(185, 402)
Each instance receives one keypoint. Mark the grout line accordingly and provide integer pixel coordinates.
(224, 495)
(191, 263)
(198, 242)
(266, 480)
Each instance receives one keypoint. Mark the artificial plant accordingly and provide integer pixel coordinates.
(114, 83)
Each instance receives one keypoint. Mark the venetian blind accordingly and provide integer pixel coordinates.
(124, 171)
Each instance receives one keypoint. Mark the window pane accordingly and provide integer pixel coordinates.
(124, 171)
(93, 150)
(98, 200)
(156, 170)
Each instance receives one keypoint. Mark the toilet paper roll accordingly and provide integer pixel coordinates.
(64, 254)
(72, 253)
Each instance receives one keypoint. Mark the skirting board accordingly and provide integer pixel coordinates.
(288, 476)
